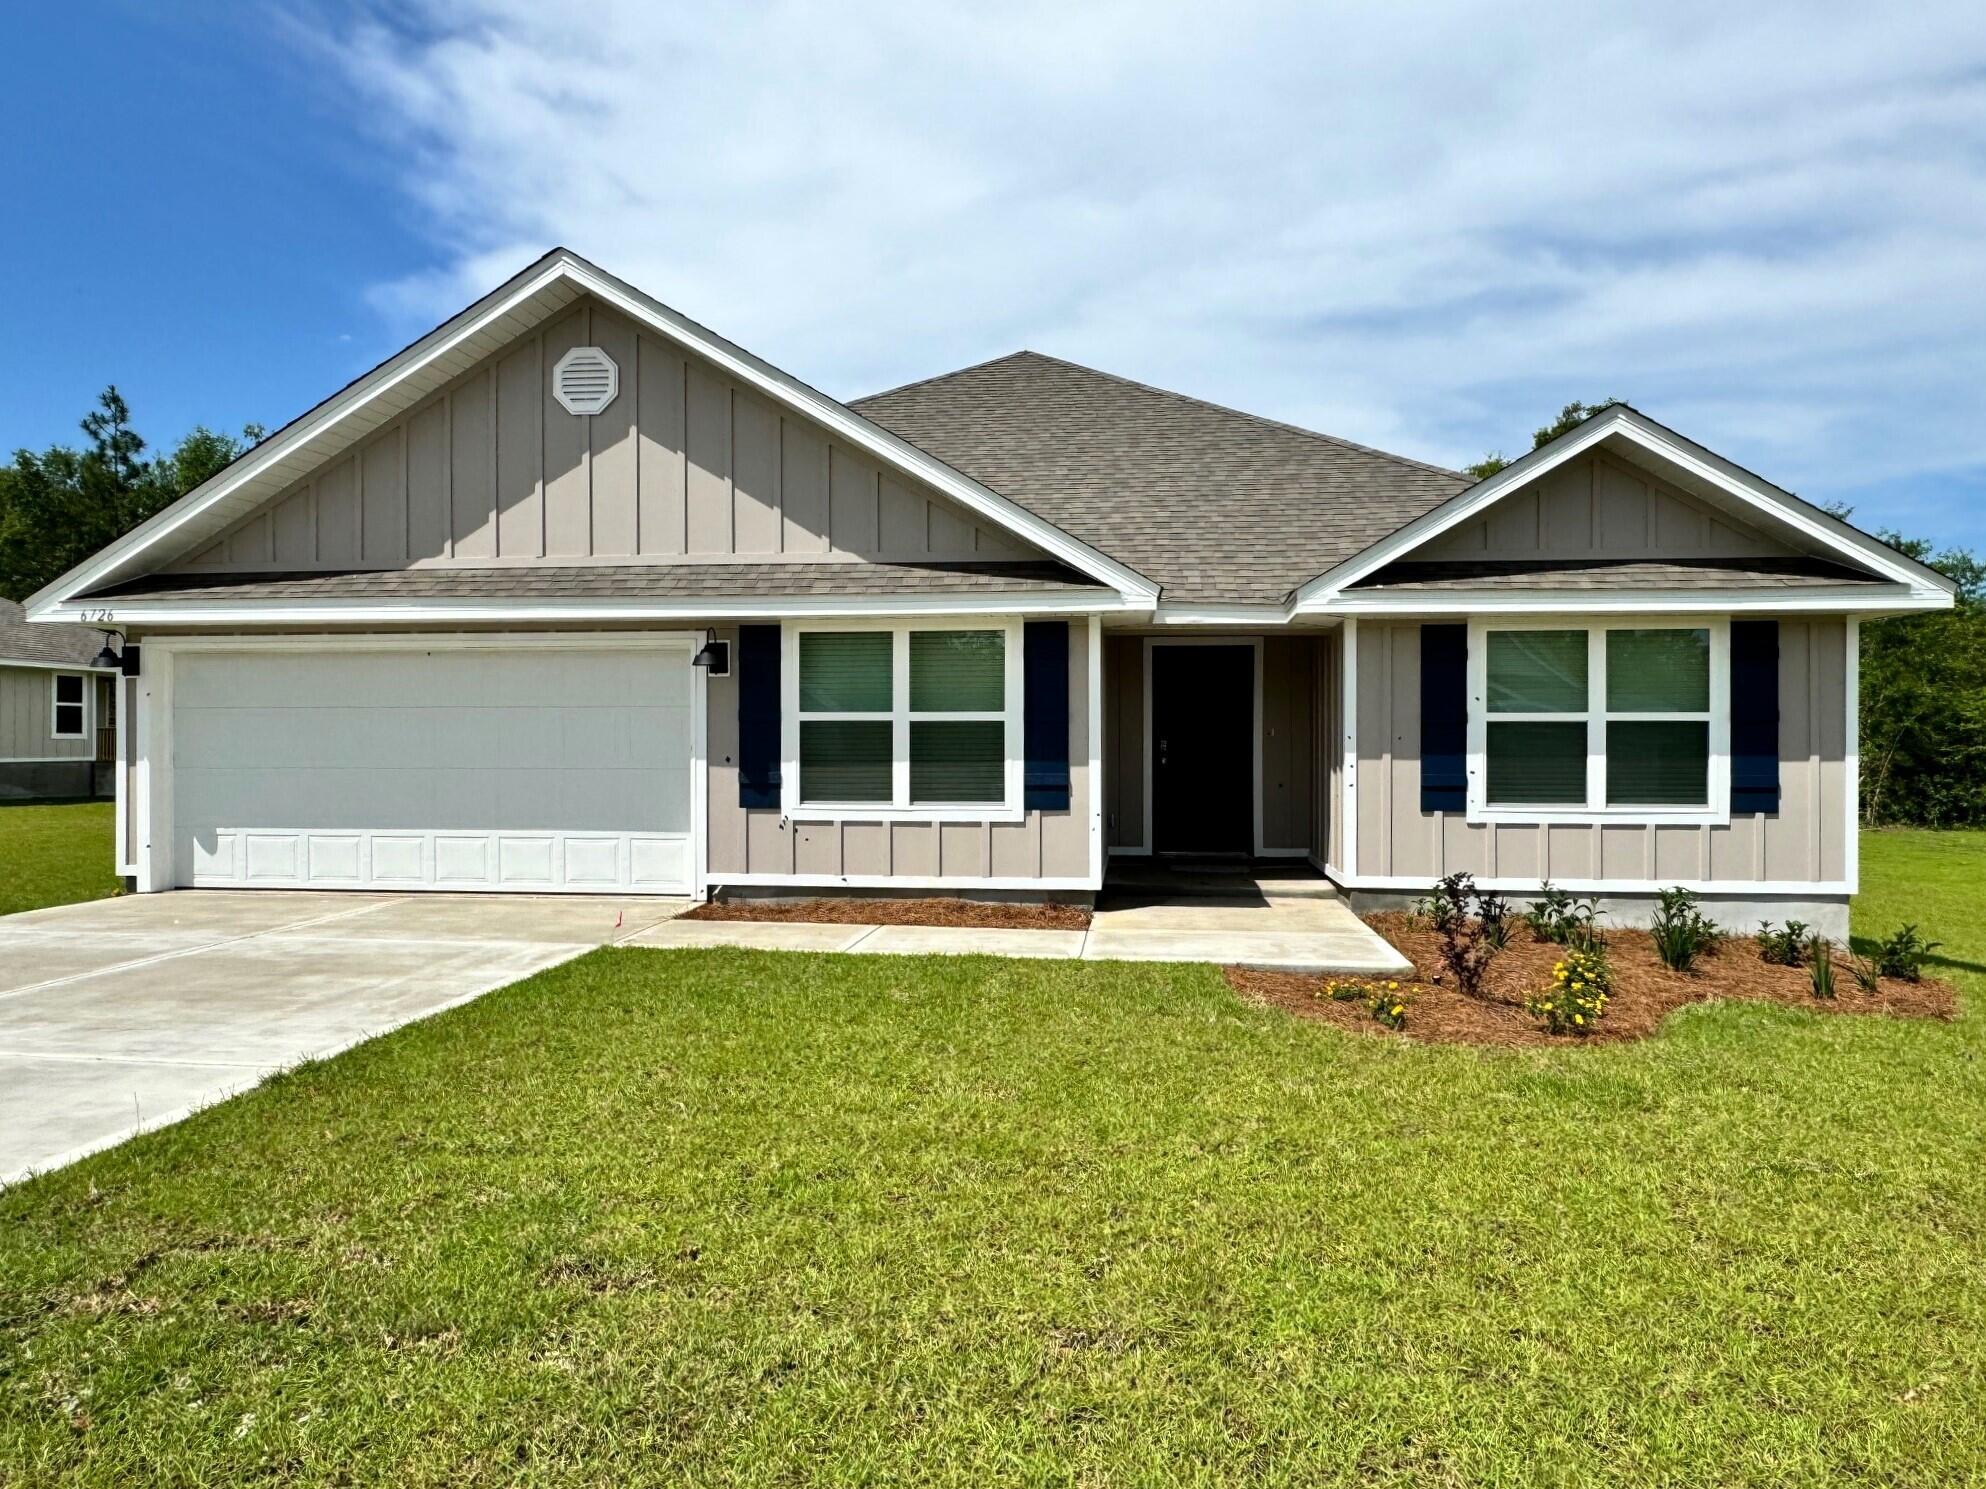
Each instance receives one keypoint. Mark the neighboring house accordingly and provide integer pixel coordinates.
(58, 710)
(448, 630)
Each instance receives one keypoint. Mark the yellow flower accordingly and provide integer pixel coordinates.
(1399, 1008)
(1579, 1018)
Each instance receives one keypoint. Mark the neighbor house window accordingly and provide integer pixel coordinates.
(910, 717)
(66, 707)
(1601, 719)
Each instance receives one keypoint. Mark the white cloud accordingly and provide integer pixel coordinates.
(1422, 227)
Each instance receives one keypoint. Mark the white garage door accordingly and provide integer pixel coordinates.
(498, 767)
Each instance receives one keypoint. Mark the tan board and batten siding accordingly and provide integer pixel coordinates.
(1045, 845)
(1804, 842)
(1600, 507)
(686, 464)
(26, 724)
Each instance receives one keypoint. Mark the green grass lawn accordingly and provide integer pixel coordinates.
(711, 1217)
(56, 853)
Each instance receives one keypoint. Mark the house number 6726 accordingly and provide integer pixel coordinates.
(97, 617)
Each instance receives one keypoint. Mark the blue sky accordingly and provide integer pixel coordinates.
(1424, 229)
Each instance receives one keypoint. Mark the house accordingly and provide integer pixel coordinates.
(574, 594)
(58, 710)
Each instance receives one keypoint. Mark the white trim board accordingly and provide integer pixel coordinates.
(899, 881)
(1698, 465)
(527, 299)
(556, 611)
(1723, 888)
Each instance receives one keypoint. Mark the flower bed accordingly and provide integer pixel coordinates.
(1641, 991)
(986, 914)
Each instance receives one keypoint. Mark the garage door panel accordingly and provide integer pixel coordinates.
(480, 768)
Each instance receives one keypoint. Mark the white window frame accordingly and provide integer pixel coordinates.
(1716, 811)
(900, 808)
(55, 704)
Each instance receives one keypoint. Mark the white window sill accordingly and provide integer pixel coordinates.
(1619, 816)
(992, 812)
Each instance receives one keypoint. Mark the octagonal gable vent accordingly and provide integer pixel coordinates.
(585, 380)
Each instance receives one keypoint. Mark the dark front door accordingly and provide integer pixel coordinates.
(1203, 765)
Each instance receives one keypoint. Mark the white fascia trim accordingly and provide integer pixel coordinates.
(1221, 615)
(522, 610)
(898, 881)
(52, 759)
(1325, 590)
(6, 662)
(759, 374)
(861, 432)
(1722, 888)
(1832, 600)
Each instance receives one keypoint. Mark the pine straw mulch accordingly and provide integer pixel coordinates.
(1644, 991)
(983, 914)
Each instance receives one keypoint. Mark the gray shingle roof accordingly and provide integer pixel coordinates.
(1216, 506)
(64, 645)
(1737, 573)
(712, 581)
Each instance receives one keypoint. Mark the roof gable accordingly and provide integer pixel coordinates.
(1751, 509)
(342, 422)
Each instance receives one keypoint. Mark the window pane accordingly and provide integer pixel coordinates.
(958, 672)
(1536, 764)
(68, 688)
(958, 762)
(1657, 765)
(844, 760)
(1537, 672)
(845, 671)
(69, 719)
(1664, 671)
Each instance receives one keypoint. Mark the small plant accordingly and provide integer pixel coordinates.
(1681, 931)
(1903, 954)
(1560, 918)
(1469, 942)
(1820, 960)
(1781, 947)
(1577, 997)
(1868, 977)
(1384, 1002)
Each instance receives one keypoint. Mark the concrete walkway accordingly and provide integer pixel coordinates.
(1292, 923)
(122, 1015)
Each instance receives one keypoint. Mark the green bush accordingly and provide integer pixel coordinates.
(1820, 958)
(1577, 997)
(1682, 932)
(1781, 947)
(1560, 918)
(1903, 954)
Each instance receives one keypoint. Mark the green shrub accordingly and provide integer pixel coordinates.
(1577, 997)
(1868, 977)
(1903, 954)
(1560, 918)
(1682, 932)
(1782, 947)
(1820, 959)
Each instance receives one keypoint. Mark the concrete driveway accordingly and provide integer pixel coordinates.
(126, 1014)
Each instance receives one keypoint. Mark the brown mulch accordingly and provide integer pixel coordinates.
(986, 914)
(1644, 991)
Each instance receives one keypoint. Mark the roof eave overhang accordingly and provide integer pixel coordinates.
(1682, 457)
(304, 614)
(1867, 600)
(429, 363)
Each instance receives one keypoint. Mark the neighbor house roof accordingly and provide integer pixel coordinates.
(1219, 507)
(711, 581)
(45, 645)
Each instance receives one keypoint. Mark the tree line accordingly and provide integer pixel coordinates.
(1923, 677)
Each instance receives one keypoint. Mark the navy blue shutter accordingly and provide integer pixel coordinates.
(1045, 718)
(758, 716)
(1754, 715)
(1444, 718)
